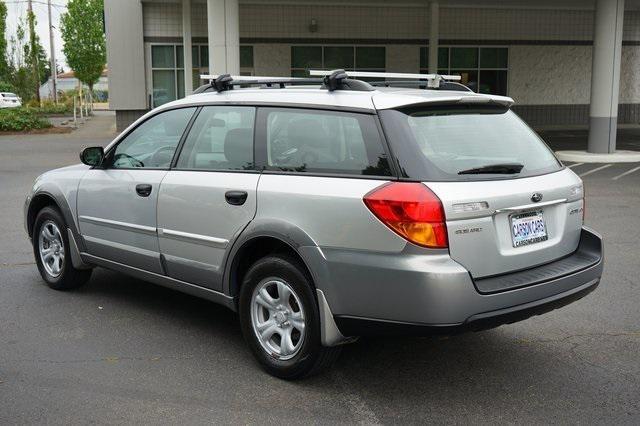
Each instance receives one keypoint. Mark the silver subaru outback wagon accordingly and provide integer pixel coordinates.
(324, 209)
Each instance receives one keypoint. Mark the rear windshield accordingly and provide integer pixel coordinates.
(9, 95)
(465, 143)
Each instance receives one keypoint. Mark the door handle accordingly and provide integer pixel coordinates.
(143, 189)
(236, 198)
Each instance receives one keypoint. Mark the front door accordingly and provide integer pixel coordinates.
(210, 196)
(117, 202)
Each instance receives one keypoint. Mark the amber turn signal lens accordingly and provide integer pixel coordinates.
(411, 210)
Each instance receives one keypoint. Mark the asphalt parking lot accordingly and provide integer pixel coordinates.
(120, 350)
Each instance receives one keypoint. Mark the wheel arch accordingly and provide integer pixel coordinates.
(259, 239)
(38, 202)
(53, 197)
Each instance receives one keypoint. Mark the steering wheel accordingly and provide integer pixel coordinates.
(157, 160)
(134, 161)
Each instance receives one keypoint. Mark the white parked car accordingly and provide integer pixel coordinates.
(9, 100)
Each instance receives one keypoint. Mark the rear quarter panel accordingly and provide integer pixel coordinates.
(329, 210)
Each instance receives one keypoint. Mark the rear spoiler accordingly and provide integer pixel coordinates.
(390, 102)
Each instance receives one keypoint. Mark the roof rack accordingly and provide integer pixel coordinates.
(333, 80)
(433, 81)
(422, 84)
(223, 82)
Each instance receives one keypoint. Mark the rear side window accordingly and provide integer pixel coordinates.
(221, 138)
(465, 143)
(314, 141)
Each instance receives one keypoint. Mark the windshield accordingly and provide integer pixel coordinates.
(465, 143)
(9, 95)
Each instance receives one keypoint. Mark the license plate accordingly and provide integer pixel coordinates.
(528, 228)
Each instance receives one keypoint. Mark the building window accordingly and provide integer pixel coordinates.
(483, 69)
(353, 58)
(246, 60)
(167, 69)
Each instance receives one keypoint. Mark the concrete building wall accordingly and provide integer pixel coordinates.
(334, 22)
(630, 74)
(515, 24)
(550, 51)
(271, 59)
(125, 55)
(541, 75)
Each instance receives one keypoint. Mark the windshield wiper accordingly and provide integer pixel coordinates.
(503, 169)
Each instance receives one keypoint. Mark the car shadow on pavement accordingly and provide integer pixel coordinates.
(399, 367)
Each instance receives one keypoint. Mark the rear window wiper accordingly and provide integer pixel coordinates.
(504, 169)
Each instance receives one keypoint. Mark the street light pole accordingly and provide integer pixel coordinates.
(54, 68)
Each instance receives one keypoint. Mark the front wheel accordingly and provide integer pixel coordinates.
(52, 252)
(280, 319)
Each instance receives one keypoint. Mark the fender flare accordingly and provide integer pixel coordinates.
(279, 229)
(54, 193)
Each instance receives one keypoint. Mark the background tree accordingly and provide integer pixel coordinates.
(43, 66)
(83, 39)
(4, 67)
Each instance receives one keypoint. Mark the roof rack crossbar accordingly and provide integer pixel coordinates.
(421, 84)
(223, 82)
(334, 80)
(432, 80)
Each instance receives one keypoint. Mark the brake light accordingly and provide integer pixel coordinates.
(411, 210)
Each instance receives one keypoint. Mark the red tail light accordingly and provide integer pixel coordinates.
(411, 210)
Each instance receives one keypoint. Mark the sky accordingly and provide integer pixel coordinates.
(17, 9)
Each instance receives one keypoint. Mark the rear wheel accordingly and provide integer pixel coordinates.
(280, 319)
(52, 252)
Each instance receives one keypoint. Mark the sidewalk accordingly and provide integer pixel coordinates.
(628, 139)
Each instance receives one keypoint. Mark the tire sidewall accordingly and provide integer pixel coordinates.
(290, 271)
(52, 214)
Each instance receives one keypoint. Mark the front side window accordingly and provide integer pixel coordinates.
(324, 142)
(221, 138)
(459, 143)
(153, 143)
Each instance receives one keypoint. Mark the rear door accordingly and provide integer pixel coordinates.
(209, 197)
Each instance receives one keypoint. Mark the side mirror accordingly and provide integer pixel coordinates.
(92, 156)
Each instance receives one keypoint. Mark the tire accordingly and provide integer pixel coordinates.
(50, 233)
(309, 356)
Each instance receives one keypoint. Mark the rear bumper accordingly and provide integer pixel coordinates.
(355, 326)
(414, 293)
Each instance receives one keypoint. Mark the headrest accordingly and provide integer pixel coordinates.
(307, 132)
(238, 147)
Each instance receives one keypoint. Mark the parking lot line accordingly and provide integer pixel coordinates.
(628, 172)
(575, 165)
(596, 170)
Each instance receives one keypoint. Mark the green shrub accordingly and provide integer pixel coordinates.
(49, 107)
(6, 87)
(19, 119)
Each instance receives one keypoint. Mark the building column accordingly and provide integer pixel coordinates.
(186, 43)
(605, 77)
(223, 23)
(232, 33)
(434, 30)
